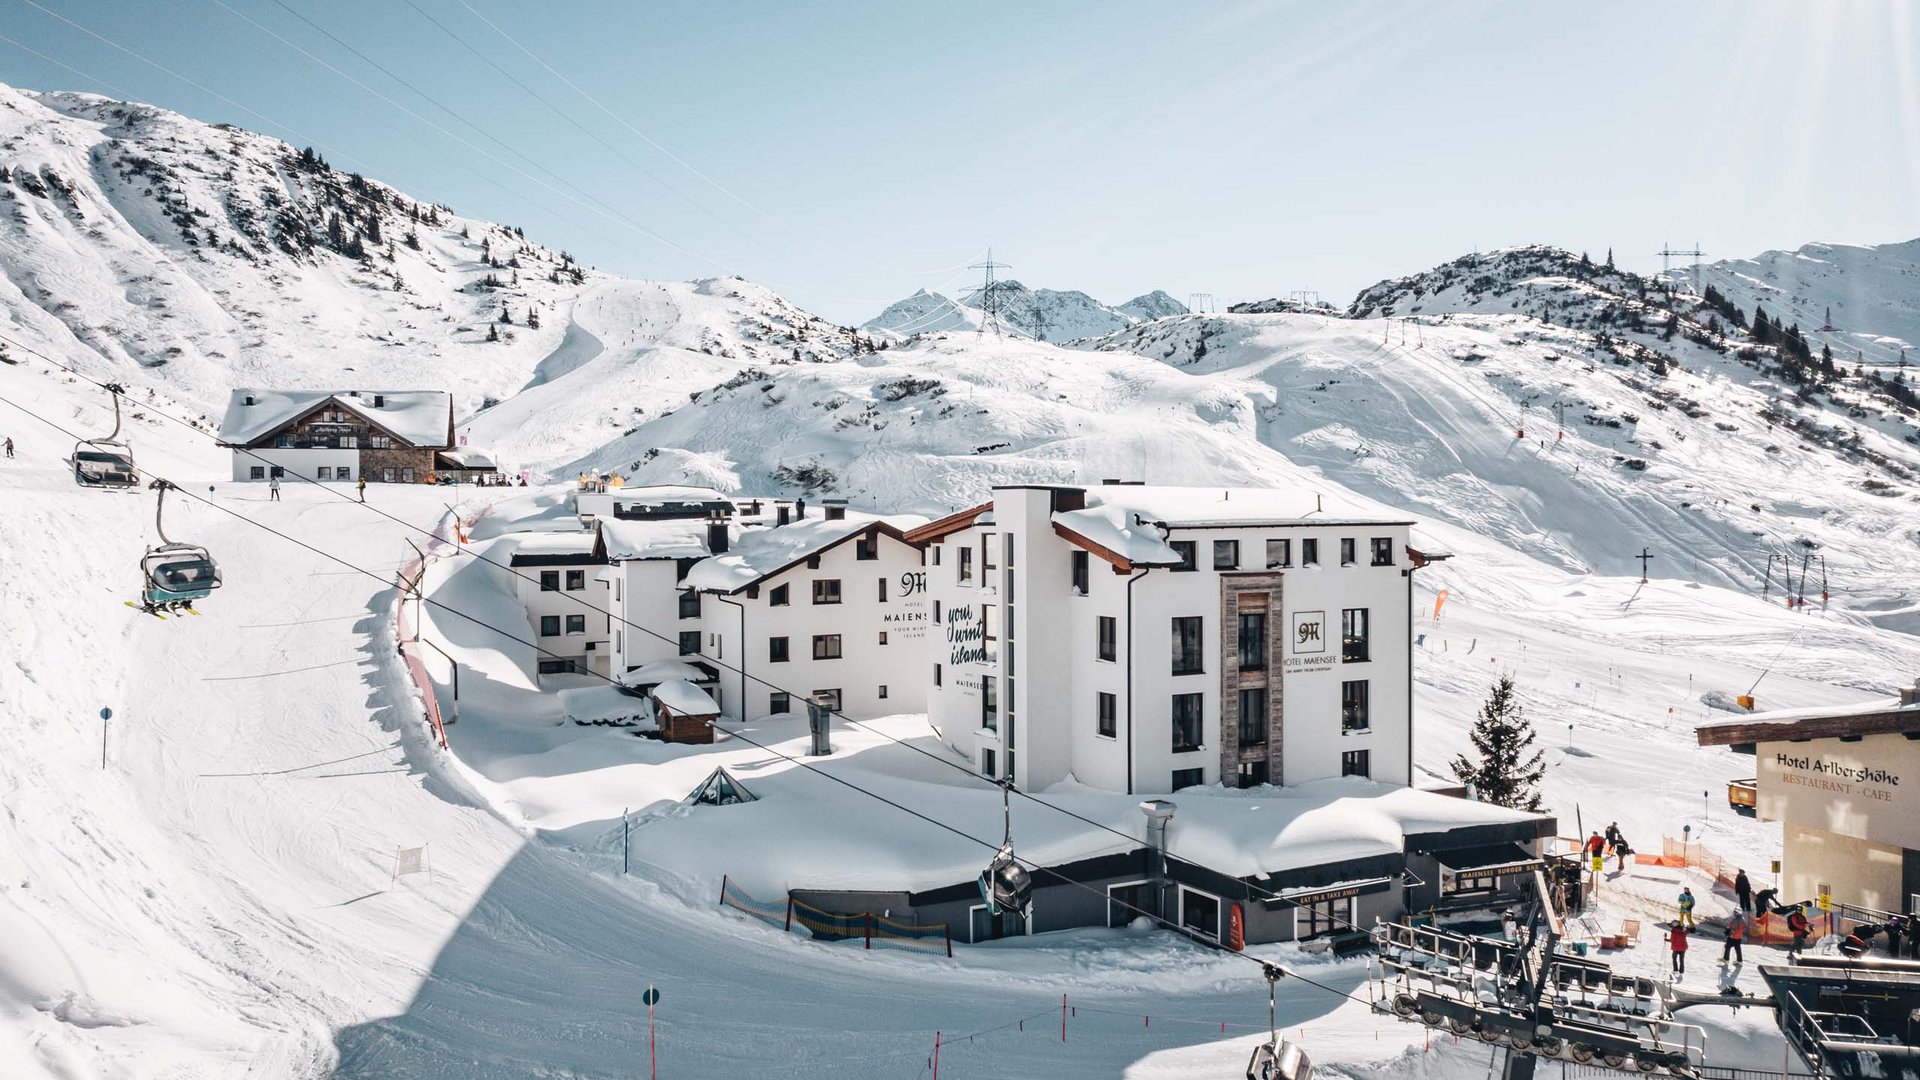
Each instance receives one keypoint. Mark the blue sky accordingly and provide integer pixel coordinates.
(847, 153)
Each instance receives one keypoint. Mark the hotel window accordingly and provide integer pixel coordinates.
(1186, 778)
(883, 637)
(1253, 716)
(828, 699)
(689, 643)
(866, 548)
(1226, 554)
(826, 590)
(386, 476)
(549, 626)
(1347, 545)
(348, 442)
(1279, 554)
(1357, 763)
(989, 703)
(964, 568)
(1309, 552)
(406, 476)
(324, 472)
(936, 555)
(826, 646)
(1253, 773)
(276, 470)
(1186, 646)
(1353, 706)
(883, 590)
(379, 442)
(936, 611)
(690, 604)
(1382, 550)
(576, 580)
(936, 676)
(1353, 635)
(776, 650)
(549, 581)
(986, 552)
(777, 596)
(1107, 714)
(1079, 572)
(576, 624)
(258, 472)
(1185, 549)
(988, 625)
(1109, 638)
(1253, 641)
(883, 691)
(779, 703)
(1186, 722)
(555, 667)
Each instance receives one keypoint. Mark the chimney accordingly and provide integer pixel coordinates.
(1109, 481)
(1065, 499)
(836, 509)
(781, 514)
(248, 400)
(1159, 812)
(379, 401)
(717, 540)
(1910, 695)
(820, 726)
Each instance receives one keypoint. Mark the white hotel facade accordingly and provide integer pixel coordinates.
(1146, 639)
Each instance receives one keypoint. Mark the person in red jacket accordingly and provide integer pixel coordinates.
(1677, 941)
(1596, 844)
(1736, 933)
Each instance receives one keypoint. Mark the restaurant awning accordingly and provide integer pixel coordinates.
(1488, 859)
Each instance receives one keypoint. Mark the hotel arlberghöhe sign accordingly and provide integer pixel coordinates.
(1863, 789)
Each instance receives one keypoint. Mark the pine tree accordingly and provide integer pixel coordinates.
(373, 230)
(493, 331)
(506, 316)
(533, 318)
(1509, 770)
(1609, 258)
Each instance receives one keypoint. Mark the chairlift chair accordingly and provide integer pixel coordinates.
(1277, 1058)
(175, 574)
(106, 462)
(1005, 884)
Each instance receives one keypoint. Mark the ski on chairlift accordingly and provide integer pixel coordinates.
(106, 462)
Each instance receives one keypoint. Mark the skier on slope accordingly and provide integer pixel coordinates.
(1677, 942)
(363, 487)
(9, 446)
(1596, 844)
(1799, 927)
(273, 489)
(1736, 933)
(1743, 891)
(1686, 907)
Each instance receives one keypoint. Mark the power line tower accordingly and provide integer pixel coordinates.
(990, 293)
(1306, 298)
(1036, 316)
(1200, 303)
(1668, 251)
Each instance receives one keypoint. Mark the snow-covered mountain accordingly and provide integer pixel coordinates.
(1872, 294)
(1041, 314)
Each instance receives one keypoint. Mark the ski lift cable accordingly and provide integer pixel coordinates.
(91, 78)
(504, 567)
(644, 137)
(750, 741)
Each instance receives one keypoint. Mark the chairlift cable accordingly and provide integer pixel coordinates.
(1261, 893)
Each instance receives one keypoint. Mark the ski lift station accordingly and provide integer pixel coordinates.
(1157, 649)
(1844, 783)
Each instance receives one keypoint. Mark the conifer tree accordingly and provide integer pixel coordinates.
(493, 331)
(1609, 258)
(1509, 770)
(506, 315)
(533, 318)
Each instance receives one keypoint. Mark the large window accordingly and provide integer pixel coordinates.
(558, 667)
(963, 570)
(1353, 635)
(1253, 641)
(576, 580)
(576, 624)
(777, 596)
(777, 650)
(1309, 552)
(1253, 716)
(1128, 902)
(549, 626)
(690, 604)
(826, 646)
(1080, 566)
(1109, 638)
(1347, 545)
(1186, 646)
(549, 581)
(989, 703)
(826, 590)
(1107, 713)
(1325, 917)
(1186, 778)
(689, 643)
(1186, 722)
(1226, 554)
(1200, 914)
(1279, 554)
(1382, 550)
(1353, 706)
(1185, 549)
(1357, 763)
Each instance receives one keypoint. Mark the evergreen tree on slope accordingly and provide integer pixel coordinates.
(1509, 769)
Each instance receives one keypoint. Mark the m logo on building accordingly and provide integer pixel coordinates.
(1309, 632)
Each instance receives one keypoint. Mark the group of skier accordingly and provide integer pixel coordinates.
(1751, 906)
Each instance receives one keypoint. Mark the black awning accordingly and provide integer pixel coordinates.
(1488, 858)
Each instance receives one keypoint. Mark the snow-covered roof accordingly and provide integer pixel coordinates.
(551, 548)
(681, 696)
(761, 552)
(1878, 716)
(469, 458)
(603, 701)
(668, 538)
(663, 671)
(1124, 518)
(422, 418)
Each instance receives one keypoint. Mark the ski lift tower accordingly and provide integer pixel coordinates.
(990, 293)
(1668, 251)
